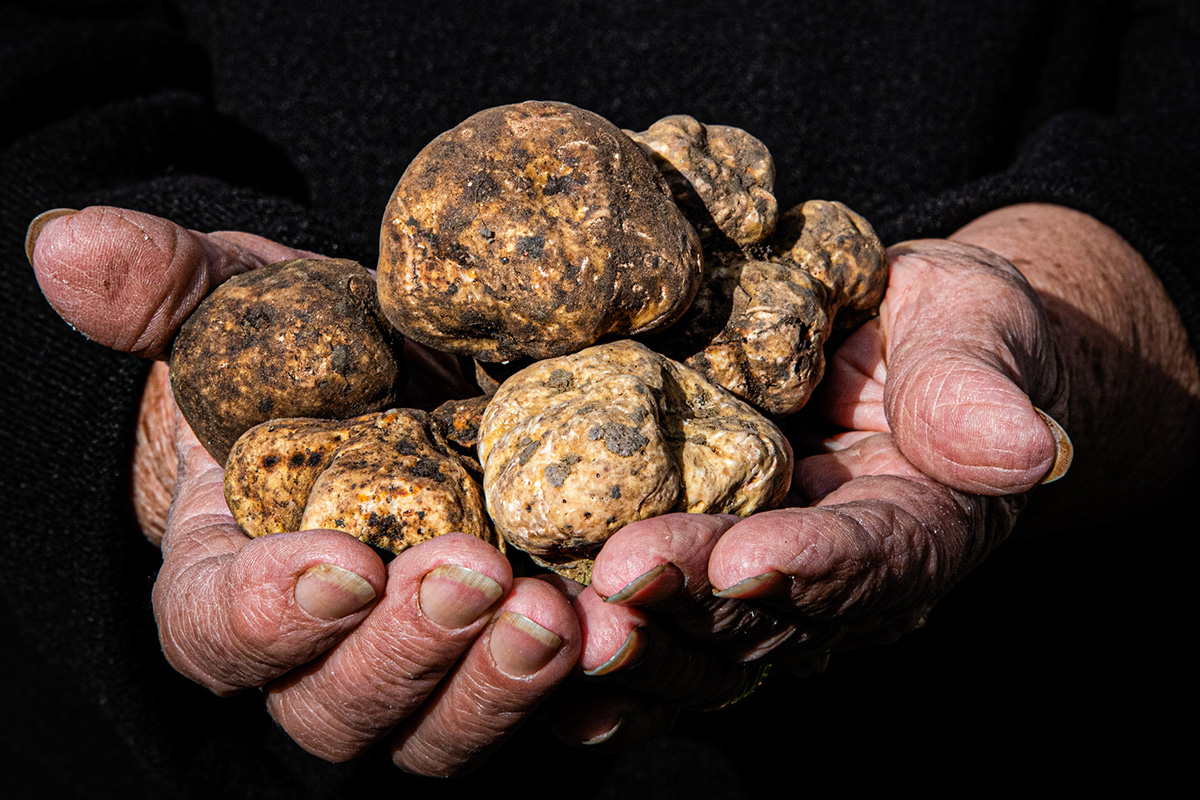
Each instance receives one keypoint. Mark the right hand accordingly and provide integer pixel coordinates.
(439, 654)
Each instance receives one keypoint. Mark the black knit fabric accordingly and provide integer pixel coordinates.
(294, 120)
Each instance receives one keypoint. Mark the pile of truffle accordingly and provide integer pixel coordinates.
(634, 304)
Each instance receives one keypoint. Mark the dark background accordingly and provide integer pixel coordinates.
(1057, 664)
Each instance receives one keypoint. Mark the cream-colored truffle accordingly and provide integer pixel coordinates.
(574, 448)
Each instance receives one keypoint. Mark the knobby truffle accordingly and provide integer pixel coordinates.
(721, 176)
(533, 230)
(759, 327)
(574, 448)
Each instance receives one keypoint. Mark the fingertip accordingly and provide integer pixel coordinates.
(519, 646)
(535, 627)
(969, 426)
(233, 616)
(648, 561)
(757, 558)
(460, 550)
(609, 718)
(329, 575)
(611, 638)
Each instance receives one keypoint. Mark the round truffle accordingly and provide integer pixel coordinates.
(533, 230)
(300, 338)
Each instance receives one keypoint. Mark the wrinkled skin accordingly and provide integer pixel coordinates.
(939, 439)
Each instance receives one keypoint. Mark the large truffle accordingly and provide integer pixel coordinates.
(389, 479)
(300, 338)
(533, 230)
(576, 447)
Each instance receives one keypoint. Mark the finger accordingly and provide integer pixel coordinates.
(155, 459)
(662, 564)
(850, 395)
(875, 549)
(233, 612)
(642, 653)
(128, 280)
(531, 645)
(967, 347)
(439, 597)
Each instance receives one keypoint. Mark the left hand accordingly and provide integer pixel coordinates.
(940, 440)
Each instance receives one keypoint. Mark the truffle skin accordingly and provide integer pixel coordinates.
(535, 230)
(576, 447)
(389, 479)
(721, 176)
(299, 338)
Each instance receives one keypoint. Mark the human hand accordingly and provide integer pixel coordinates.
(939, 440)
(437, 655)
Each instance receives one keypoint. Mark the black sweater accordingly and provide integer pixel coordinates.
(295, 119)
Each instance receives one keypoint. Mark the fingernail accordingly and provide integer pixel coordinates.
(520, 646)
(628, 653)
(1064, 451)
(649, 587)
(758, 586)
(766, 646)
(454, 596)
(604, 737)
(35, 228)
(331, 592)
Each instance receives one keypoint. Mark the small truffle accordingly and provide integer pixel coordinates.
(389, 479)
(576, 447)
(533, 230)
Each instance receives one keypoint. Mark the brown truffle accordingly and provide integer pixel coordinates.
(300, 338)
(534, 230)
(460, 420)
(576, 447)
(721, 176)
(389, 479)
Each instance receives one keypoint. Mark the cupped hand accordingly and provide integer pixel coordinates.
(436, 656)
(933, 437)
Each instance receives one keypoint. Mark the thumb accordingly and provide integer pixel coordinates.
(128, 280)
(969, 356)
